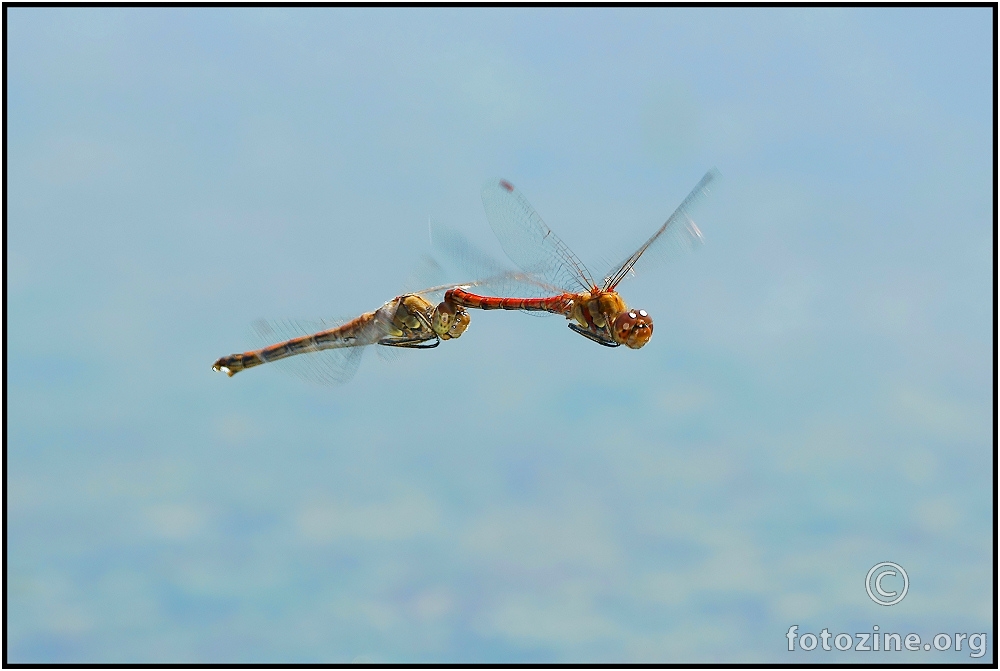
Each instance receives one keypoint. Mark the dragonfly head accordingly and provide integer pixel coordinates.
(633, 328)
(449, 321)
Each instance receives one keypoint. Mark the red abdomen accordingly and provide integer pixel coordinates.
(560, 305)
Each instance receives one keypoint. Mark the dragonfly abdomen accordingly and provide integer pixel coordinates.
(556, 304)
(345, 335)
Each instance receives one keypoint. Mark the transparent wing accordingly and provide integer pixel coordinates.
(498, 278)
(426, 273)
(679, 232)
(491, 277)
(529, 242)
(327, 366)
(495, 277)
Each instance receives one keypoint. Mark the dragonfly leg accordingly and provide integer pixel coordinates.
(412, 343)
(607, 342)
(424, 320)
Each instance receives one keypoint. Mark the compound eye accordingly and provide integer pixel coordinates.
(461, 323)
(625, 321)
(624, 324)
(639, 331)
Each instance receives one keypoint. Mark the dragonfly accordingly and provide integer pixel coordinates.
(329, 352)
(334, 349)
(596, 312)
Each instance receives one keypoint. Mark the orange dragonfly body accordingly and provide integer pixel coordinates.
(595, 312)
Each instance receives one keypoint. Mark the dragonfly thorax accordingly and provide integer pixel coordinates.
(596, 308)
(604, 312)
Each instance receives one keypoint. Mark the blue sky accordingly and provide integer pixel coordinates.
(816, 398)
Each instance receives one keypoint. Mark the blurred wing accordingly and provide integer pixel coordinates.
(492, 276)
(678, 232)
(498, 278)
(328, 366)
(427, 273)
(529, 242)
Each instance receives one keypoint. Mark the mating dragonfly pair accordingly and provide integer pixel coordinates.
(331, 352)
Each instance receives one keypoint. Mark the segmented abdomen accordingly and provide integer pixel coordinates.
(559, 305)
(354, 333)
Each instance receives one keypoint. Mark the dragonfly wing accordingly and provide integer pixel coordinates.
(529, 242)
(326, 366)
(498, 278)
(427, 273)
(679, 232)
(466, 256)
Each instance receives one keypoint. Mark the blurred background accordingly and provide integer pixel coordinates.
(817, 397)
